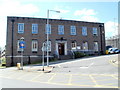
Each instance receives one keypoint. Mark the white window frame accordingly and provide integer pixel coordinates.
(61, 29)
(73, 45)
(95, 31)
(20, 27)
(95, 46)
(73, 30)
(34, 28)
(48, 28)
(34, 45)
(85, 46)
(84, 31)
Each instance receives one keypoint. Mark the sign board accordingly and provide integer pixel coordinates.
(22, 44)
(44, 48)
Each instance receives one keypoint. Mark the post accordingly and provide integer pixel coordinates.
(48, 34)
(47, 37)
(22, 46)
(43, 57)
(22, 59)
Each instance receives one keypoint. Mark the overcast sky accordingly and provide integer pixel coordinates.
(92, 11)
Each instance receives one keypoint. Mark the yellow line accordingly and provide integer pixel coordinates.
(114, 77)
(51, 77)
(70, 80)
(36, 77)
(12, 75)
(24, 75)
(109, 84)
(110, 61)
(104, 79)
(93, 80)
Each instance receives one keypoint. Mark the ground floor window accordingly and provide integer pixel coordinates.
(85, 45)
(95, 46)
(73, 45)
(34, 45)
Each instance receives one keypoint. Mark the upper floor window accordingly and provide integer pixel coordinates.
(20, 27)
(85, 45)
(95, 31)
(60, 29)
(34, 28)
(84, 31)
(96, 46)
(48, 29)
(34, 45)
(73, 30)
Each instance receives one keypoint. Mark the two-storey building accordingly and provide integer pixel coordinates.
(64, 36)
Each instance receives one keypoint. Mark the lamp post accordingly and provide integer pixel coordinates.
(48, 34)
(12, 63)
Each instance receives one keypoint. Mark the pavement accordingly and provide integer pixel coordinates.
(45, 69)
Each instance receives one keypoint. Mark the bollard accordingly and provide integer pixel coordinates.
(18, 66)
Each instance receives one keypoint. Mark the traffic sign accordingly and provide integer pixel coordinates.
(22, 44)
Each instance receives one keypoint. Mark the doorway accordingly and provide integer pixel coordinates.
(61, 48)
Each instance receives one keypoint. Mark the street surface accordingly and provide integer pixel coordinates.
(93, 72)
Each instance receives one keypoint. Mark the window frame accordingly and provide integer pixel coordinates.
(72, 30)
(34, 46)
(60, 29)
(85, 46)
(20, 28)
(96, 46)
(84, 31)
(95, 31)
(34, 28)
(73, 45)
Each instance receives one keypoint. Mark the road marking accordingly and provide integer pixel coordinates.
(52, 77)
(24, 76)
(114, 77)
(110, 61)
(95, 82)
(70, 80)
(36, 77)
(105, 79)
(90, 64)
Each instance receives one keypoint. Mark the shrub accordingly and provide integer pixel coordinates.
(78, 54)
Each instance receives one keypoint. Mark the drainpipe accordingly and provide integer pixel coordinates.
(12, 63)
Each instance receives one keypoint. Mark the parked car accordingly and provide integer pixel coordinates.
(116, 51)
(112, 50)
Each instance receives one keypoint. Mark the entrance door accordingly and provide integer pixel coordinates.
(61, 48)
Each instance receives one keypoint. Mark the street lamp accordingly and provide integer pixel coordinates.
(48, 33)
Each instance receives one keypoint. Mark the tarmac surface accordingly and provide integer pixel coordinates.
(95, 72)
